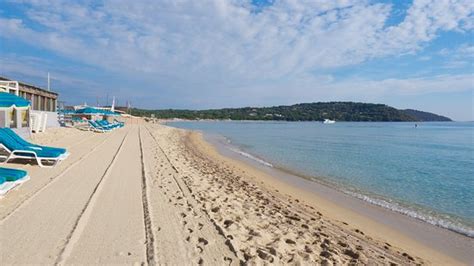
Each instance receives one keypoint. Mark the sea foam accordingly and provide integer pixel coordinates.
(250, 156)
(437, 221)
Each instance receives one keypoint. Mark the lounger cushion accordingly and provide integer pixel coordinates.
(13, 145)
(10, 174)
(23, 142)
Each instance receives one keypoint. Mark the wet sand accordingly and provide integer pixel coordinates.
(151, 194)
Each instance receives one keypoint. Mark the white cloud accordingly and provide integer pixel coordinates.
(458, 57)
(208, 38)
(465, 50)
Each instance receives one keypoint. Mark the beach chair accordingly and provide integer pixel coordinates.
(44, 122)
(44, 156)
(97, 128)
(23, 142)
(122, 124)
(35, 122)
(106, 124)
(9, 178)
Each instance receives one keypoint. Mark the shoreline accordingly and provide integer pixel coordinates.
(224, 145)
(438, 245)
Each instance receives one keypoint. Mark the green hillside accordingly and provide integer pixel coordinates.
(425, 116)
(339, 111)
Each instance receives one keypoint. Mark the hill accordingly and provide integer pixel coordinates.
(339, 111)
(425, 116)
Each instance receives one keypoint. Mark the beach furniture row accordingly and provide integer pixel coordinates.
(15, 147)
(103, 126)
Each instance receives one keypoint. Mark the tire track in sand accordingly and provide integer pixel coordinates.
(150, 238)
(85, 213)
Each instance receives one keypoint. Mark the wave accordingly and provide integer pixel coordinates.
(443, 223)
(249, 156)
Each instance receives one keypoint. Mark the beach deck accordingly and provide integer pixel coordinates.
(94, 208)
(150, 194)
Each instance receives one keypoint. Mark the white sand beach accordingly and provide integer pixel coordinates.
(152, 194)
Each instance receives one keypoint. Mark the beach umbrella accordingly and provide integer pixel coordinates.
(9, 101)
(66, 112)
(89, 111)
(94, 111)
(109, 113)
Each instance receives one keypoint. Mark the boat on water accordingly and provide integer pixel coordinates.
(329, 121)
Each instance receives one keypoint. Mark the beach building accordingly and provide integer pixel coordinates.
(14, 111)
(43, 101)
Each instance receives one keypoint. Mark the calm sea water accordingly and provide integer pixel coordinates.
(425, 172)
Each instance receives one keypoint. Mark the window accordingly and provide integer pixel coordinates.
(42, 103)
(37, 102)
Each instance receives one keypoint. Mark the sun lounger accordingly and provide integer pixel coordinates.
(12, 175)
(44, 156)
(117, 124)
(106, 124)
(103, 126)
(98, 128)
(9, 178)
(23, 142)
(122, 124)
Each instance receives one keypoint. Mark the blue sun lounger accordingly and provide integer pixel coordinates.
(9, 178)
(23, 142)
(106, 124)
(21, 149)
(122, 124)
(102, 126)
(94, 126)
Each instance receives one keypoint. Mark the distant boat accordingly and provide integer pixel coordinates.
(329, 121)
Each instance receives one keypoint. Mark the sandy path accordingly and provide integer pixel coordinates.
(111, 230)
(182, 231)
(83, 146)
(38, 229)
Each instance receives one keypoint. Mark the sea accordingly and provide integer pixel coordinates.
(423, 170)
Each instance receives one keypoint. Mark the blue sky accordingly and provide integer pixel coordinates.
(216, 53)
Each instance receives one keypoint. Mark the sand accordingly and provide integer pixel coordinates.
(151, 194)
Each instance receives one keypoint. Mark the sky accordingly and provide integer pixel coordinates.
(230, 53)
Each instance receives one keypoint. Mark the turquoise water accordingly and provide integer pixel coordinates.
(425, 172)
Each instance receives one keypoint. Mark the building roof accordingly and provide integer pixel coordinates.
(30, 86)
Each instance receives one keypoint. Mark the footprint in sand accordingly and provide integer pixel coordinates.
(203, 241)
